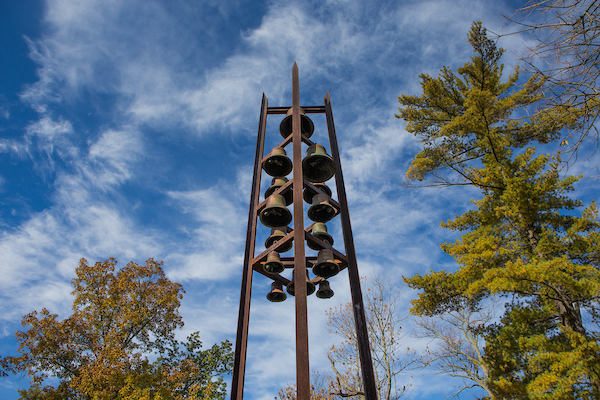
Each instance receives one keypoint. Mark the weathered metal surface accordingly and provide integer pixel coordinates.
(302, 364)
(241, 342)
(364, 348)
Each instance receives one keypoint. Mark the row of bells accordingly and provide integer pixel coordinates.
(318, 230)
(277, 214)
(277, 295)
(325, 266)
(317, 167)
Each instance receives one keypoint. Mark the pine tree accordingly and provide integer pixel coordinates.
(525, 240)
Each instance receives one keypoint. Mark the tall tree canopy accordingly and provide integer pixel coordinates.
(102, 350)
(524, 240)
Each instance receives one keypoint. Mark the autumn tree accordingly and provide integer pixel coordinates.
(566, 54)
(525, 240)
(390, 356)
(456, 347)
(120, 322)
(321, 388)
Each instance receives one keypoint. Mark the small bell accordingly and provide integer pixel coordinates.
(275, 213)
(276, 295)
(319, 230)
(276, 235)
(324, 291)
(273, 265)
(307, 126)
(308, 194)
(325, 266)
(276, 183)
(317, 166)
(277, 162)
(321, 209)
(310, 287)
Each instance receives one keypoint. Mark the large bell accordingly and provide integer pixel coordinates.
(276, 235)
(325, 266)
(276, 295)
(310, 287)
(319, 230)
(273, 265)
(307, 127)
(275, 213)
(324, 291)
(276, 183)
(277, 162)
(317, 166)
(321, 209)
(308, 194)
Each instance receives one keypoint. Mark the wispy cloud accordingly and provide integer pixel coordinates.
(133, 99)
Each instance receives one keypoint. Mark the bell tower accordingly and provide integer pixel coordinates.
(307, 183)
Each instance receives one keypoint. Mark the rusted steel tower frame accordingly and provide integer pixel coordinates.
(299, 261)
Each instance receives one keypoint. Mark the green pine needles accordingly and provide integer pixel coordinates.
(525, 241)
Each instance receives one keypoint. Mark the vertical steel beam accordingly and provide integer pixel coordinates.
(364, 348)
(241, 341)
(302, 367)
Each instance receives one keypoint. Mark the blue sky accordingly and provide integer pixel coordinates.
(128, 130)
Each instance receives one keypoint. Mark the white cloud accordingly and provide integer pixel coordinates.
(166, 88)
(215, 247)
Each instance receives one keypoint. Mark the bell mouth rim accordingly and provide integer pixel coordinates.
(308, 292)
(308, 195)
(321, 213)
(288, 165)
(276, 271)
(328, 238)
(288, 216)
(330, 168)
(303, 118)
(277, 297)
(313, 246)
(334, 271)
(329, 292)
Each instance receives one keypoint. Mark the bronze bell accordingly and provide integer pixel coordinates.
(277, 162)
(276, 295)
(321, 209)
(308, 194)
(325, 266)
(310, 287)
(324, 291)
(319, 230)
(307, 126)
(275, 213)
(273, 265)
(317, 166)
(276, 183)
(276, 235)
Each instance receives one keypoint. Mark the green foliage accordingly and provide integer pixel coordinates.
(524, 239)
(101, 351)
